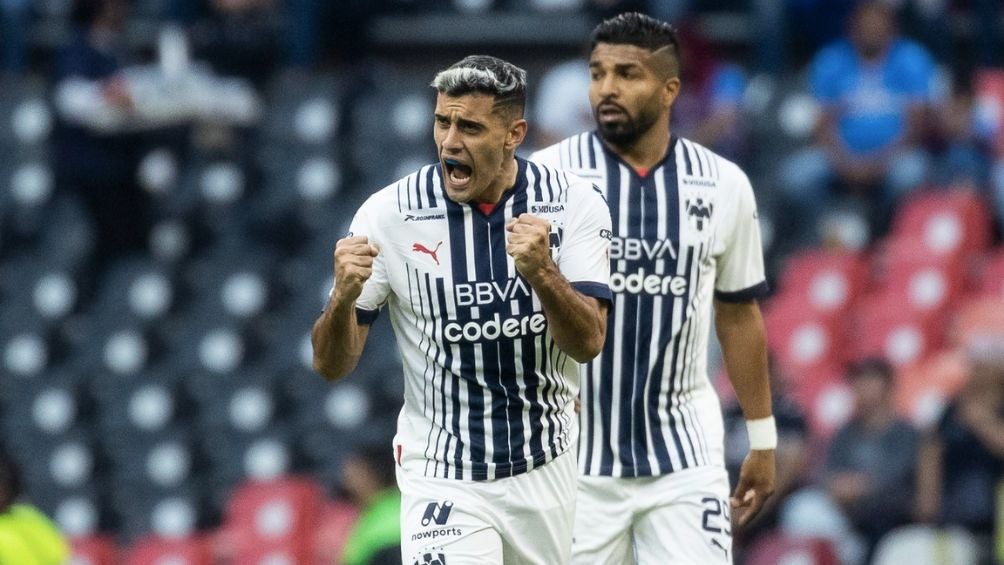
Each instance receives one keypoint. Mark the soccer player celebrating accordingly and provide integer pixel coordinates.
(495, 273)
(654, 485)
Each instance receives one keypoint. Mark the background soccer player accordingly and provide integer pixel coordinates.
(495, 273)
(685, 235)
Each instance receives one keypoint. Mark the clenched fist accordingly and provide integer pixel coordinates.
(529, 244)
(353, 265)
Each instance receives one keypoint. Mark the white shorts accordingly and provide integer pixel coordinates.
(682, 518)
(525, 519)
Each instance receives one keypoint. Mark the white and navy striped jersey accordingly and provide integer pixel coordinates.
(488, 394)
(684, 233)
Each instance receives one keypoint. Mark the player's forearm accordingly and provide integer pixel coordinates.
(744, 349)
(337, 339)
(577, 323)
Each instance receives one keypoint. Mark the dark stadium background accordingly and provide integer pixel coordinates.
(158, 280)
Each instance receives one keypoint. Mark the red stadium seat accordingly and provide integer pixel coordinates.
(946, 222)
(979, 318)
(777, 548)
(827, 402)
(804, 341)
(94, 550)
(334, 526)
(266, 553)
(157, 551)
(270, 516)
(925, 281)
(923, 390)
(990, 282)
(885, 325)
(826, 281)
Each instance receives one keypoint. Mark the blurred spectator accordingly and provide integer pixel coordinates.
(932, 22)
(966, 144)
(867, 482)
(100, 168)
(14, 20)
(27, 537)
(368, 476)
(963, 156)
(239, 38)
(709, 107)
(791, 457)
(869, 469)
(961, 461)
(875, 89)
(798, 27)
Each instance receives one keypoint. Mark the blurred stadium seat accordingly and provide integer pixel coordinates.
(334, 525)
(778, 549)
(153, 550)
(989, 280)
(889, 326)
(946, 222)
(923, 545)
(923, 280)
(274, 518)
(828, 282)
(979, 318)
(924, 389)
(804, 340)
(93, 550)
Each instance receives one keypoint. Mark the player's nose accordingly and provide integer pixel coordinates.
(452, 141)
(608, 86)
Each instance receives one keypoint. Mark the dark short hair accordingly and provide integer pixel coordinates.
(872, 367)
(633, 28)
(484, 74)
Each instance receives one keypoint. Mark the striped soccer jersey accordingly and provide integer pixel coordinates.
(684, 233)
(488, 394)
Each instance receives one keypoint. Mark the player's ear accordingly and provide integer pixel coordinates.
(516, 134)
(670, 90)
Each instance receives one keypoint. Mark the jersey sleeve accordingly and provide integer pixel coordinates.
(585, 250)
(376, 289)
(740, 276)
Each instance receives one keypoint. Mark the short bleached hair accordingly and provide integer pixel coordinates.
(484, 74)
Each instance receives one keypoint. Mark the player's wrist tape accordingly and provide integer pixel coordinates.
(762, 433)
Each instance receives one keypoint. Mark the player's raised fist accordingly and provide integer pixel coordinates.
(528, 244)
(354, 257)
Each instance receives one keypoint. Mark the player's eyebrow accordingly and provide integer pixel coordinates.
(617, 66)
(464, 122)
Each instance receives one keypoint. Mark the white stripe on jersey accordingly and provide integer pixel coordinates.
(648, 406)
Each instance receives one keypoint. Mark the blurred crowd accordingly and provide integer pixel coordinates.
(839, 109)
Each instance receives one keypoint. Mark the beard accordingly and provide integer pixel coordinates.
(629, 130)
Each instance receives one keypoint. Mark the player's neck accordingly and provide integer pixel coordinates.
(505, 180)
(647, 151)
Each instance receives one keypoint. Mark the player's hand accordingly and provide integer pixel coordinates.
(529, 245)
(353, 265)
(756, 484)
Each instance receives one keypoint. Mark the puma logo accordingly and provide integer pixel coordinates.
(434, 253)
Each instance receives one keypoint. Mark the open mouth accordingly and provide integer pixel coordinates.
(458, 173)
